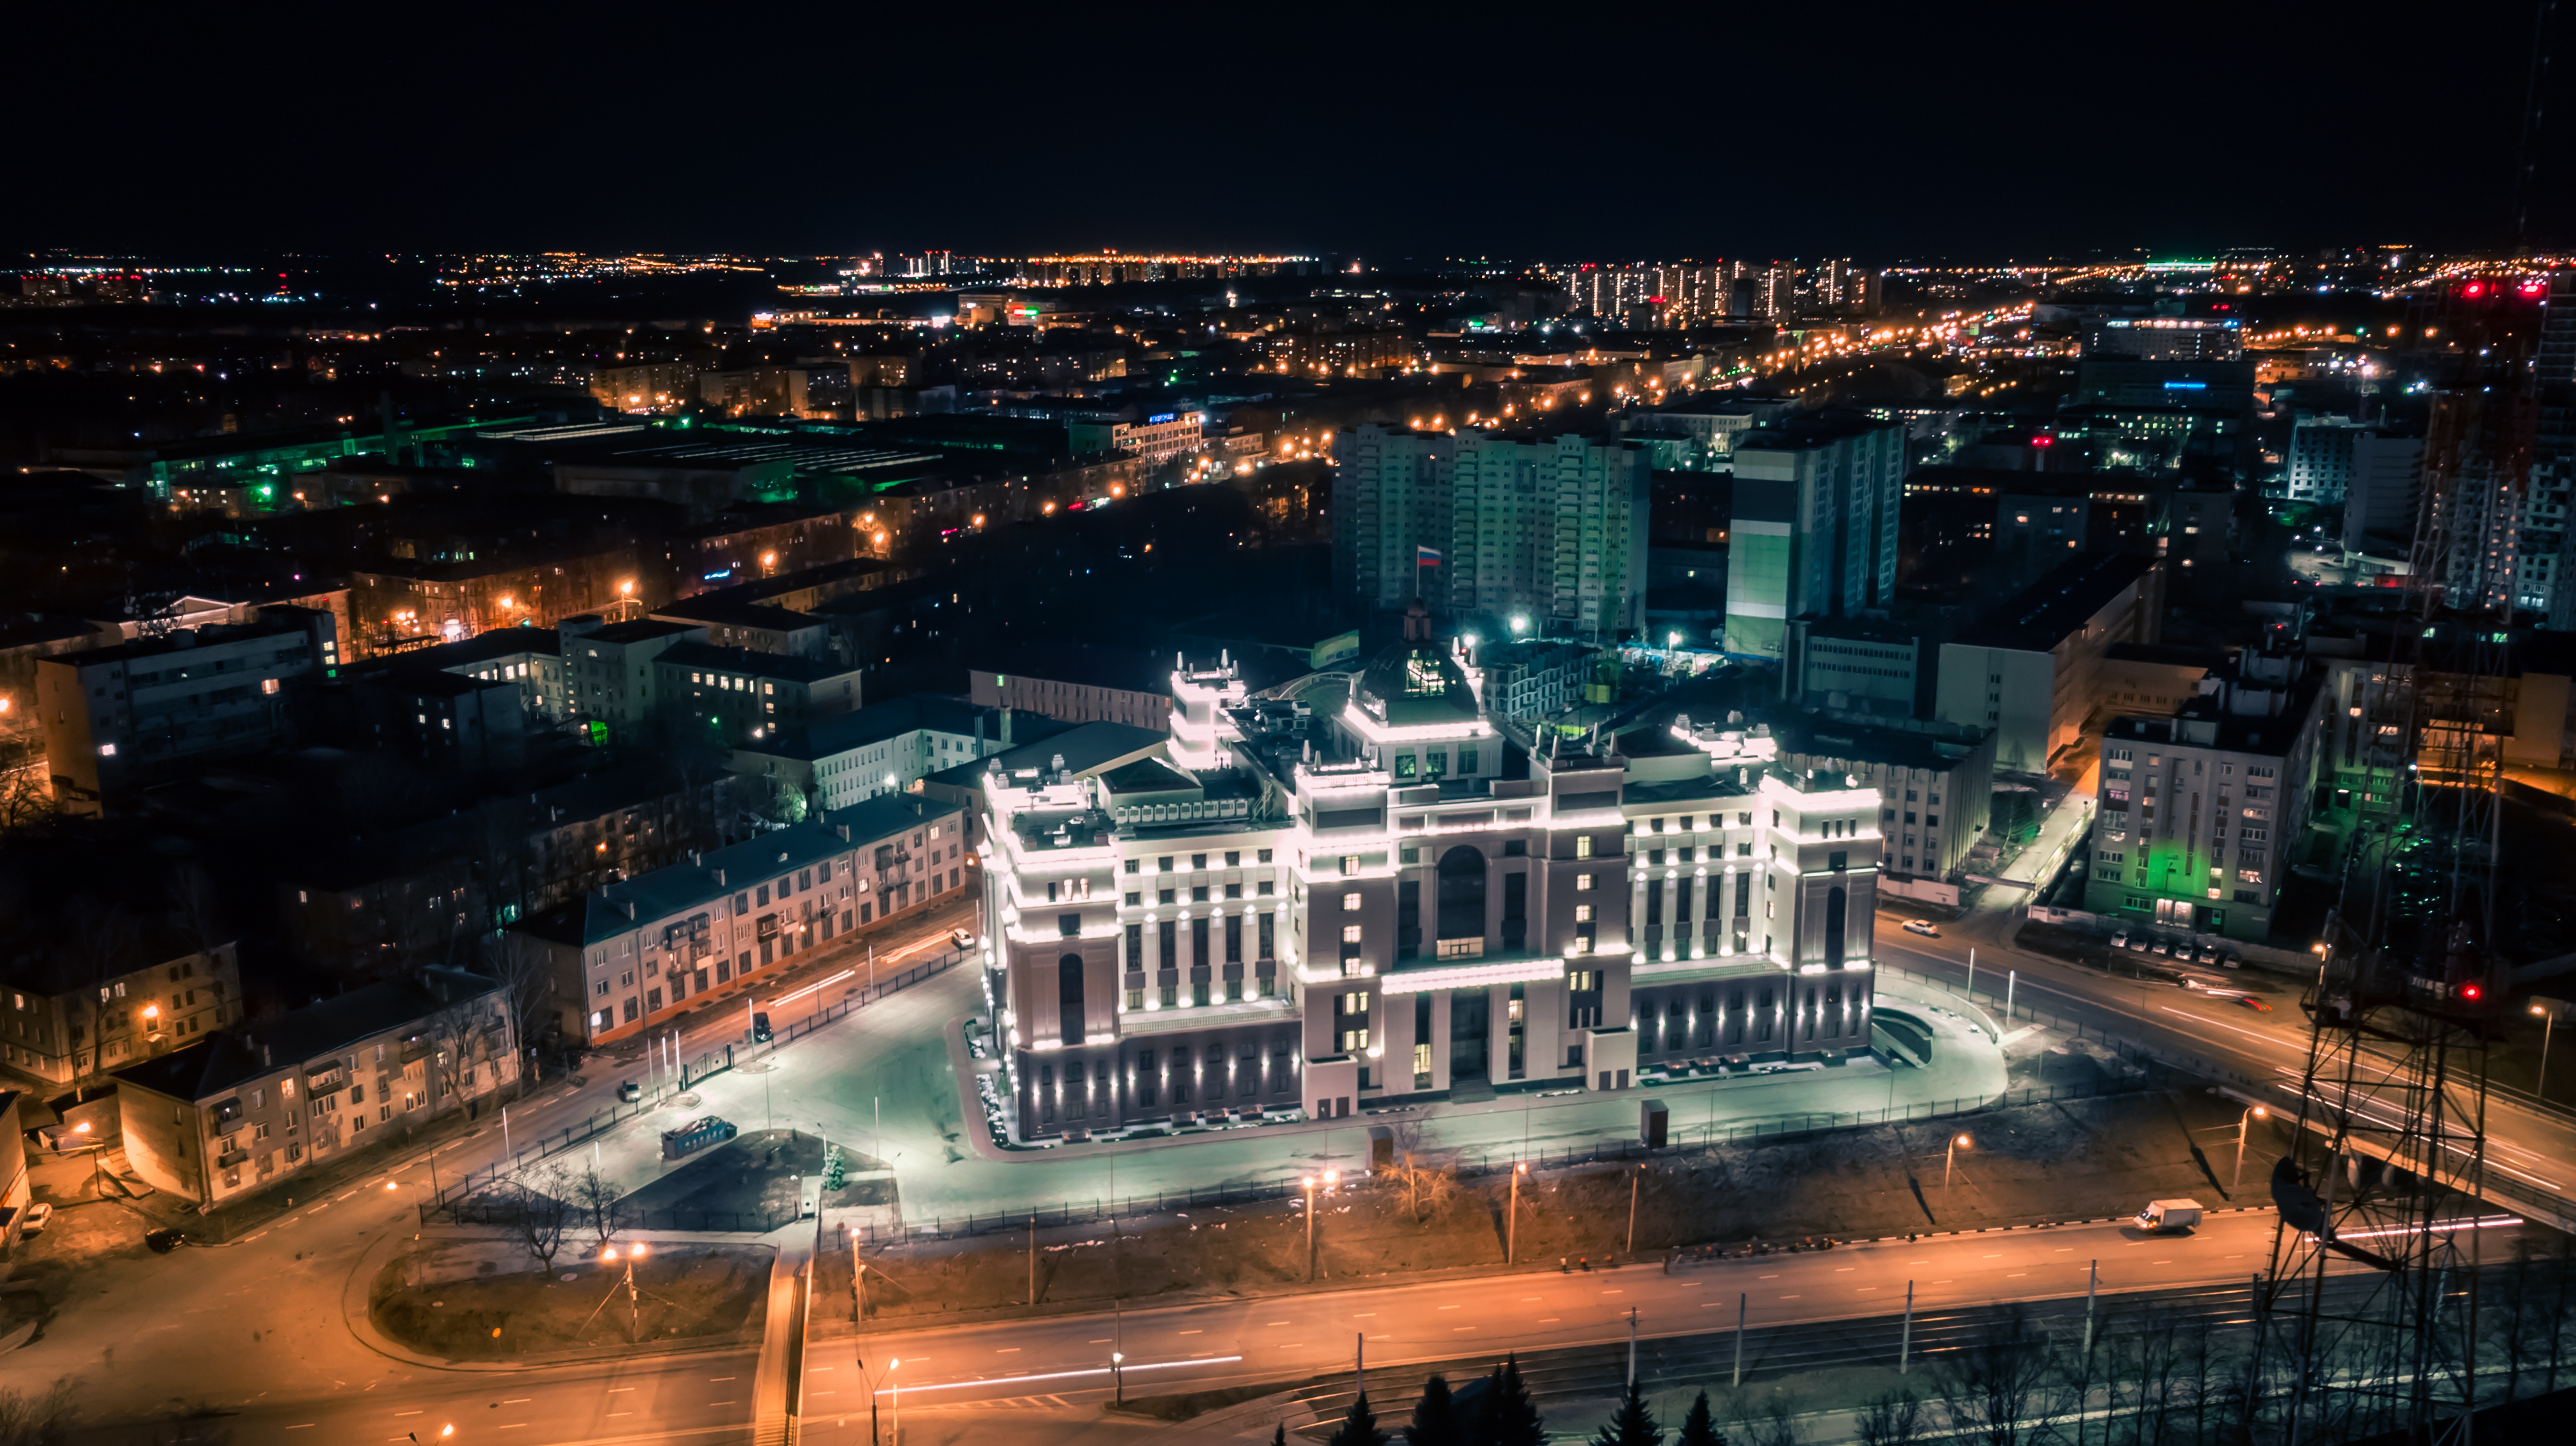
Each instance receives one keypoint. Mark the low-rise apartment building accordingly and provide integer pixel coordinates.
(1079, 685)
(69, 1018)
(254, 1104)
(631, 954)
(117, 718)
(880, 749)
(734, 695)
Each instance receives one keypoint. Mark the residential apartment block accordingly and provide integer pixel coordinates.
(2201, 811)
(632, 954)
(1551, 526)
(1813, 528)
(69, 1018)
(254, 1104)
(883, 748)
(119, 717)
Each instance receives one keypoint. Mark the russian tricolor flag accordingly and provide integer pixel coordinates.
(1426, 557)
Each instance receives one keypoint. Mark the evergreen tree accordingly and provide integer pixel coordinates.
(1631, 1425)
(1436, 1418)
(1279, 1434)
(1359, 1428)
(1699, 1428)
(1511, 1418)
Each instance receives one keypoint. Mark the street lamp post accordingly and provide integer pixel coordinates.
(1949, 1159)
(2252, 1113)
(1632, 1208)
(1512, 1220)
(1327, 1180)
(634, 1310)
(2548, 1026)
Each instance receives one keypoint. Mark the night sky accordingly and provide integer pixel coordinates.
(1387, 131)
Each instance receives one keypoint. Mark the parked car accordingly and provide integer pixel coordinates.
(760, 1029)
(961, 938)
(2120, 940)
(2250, 1002)
(37, 1215)
(630, 1092)
(1923, 927)
(2164, 946)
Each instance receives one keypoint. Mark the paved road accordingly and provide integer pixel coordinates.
(686, 1399)
(1287, 1337)
(2535, 1146)
(258, 1327)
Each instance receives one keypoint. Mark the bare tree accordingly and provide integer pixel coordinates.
(519, 965)
(197, 906)
(460, 1034)
(1428, 1185)
(595, 1196)
(508, 862)
(103, 936)
(545, 1205)
(38, 1418)
(1894, 1419)
(1997, 1388)
(27, 802)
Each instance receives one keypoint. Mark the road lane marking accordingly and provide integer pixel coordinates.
(1615, 1292)
(1845, 1269)
(1453, 1307)
(1461, 1328)
(1265, 1325)
(2017, 1275)
(406, 1413)
(301, 1426)
(1104, 1340)
(510, 1425)
(1008, 1351)
(711, 1378)
(722, 1403)
(1788, 1297)
(518, 1400)
(1194, 1333)
(613, 1390)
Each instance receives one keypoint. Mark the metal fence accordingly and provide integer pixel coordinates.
(464, 1189)
(625, 1217)
(1489, 1162)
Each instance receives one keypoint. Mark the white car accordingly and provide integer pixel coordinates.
(961, 938)
(1923, 927)
(2120, 940)
(2163, 946)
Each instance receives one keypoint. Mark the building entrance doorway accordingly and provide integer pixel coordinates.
(1470, 1029)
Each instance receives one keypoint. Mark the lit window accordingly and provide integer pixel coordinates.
(1350, 903)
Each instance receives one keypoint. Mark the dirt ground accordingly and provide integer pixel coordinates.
(2069, 1160)
(477, 1300)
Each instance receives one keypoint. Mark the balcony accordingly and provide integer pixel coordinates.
(1473, 948)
